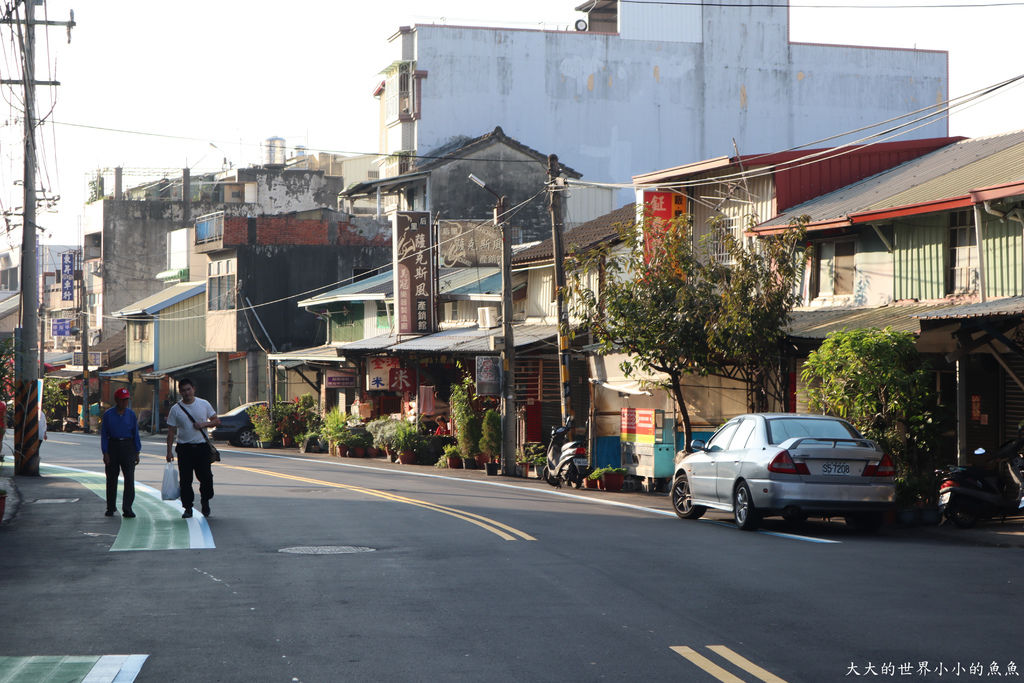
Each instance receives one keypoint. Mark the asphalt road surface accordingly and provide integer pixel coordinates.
(324, 569)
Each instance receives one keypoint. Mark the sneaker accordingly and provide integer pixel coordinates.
(109, 513)
(187, 513)
(128, 515)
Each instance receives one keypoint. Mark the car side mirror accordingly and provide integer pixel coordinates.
(697, 445)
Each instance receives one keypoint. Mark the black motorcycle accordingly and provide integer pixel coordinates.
(995, 489)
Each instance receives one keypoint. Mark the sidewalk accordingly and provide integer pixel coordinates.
(989, 533)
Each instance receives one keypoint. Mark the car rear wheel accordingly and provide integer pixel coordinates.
(247, 438)
(682, 499)
(743, 511)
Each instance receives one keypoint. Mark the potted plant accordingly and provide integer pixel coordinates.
(405, 441)
(383, 432)
(490, 437)
(530, 456)
(609, 478)
(357, 442)
(450, 457)
(335, 431)
(265, 426)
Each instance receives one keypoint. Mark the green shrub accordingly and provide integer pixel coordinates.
(601, 471)
(490, 439)
(263, 423)
(335, 427)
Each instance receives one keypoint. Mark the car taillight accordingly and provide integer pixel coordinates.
(884, 468)
(783, 464)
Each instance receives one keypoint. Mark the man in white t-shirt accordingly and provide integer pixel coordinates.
(185, 422)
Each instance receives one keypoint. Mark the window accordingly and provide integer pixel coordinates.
(963, 253)
(720, 441)
(743, 433)
(220, 285)
(834, 268)
(140, 332)
(399, 91)
(724, 225)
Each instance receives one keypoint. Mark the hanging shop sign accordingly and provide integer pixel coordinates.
(378, 372)
(467, 244)
(340, 379)
(414, 276)
(67, 276)
(637, 425)
(400, 379)
(488, 375)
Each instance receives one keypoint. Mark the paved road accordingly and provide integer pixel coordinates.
(326, 569)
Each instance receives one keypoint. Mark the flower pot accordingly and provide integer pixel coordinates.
(612, 482)
(357, 451)
(482, 459)
(591, 483)
(930, 516)
(407, 457)
(492, 469)
(341, 450)
(454, 462)
(372, 452)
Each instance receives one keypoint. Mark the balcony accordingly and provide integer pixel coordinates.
(210, 232)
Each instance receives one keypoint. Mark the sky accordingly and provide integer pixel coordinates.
(208, 80)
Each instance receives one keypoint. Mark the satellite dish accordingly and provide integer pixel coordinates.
(581, 24)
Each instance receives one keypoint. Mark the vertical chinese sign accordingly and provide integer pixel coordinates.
(67, 276)
(414, 277)
(659, 210)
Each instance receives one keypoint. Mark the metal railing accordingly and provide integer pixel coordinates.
(210, 228)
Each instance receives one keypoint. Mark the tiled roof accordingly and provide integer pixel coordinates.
(581, 237)
(462, 146)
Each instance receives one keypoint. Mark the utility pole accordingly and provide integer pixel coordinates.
(509, 414)
(555, 188)
(84, 313)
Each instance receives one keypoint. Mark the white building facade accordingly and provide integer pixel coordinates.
(674, 83)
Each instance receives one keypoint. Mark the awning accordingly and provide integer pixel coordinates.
(819, 323)
(177, 369)
(64, 374)
(326, 353)
(605, 372)
(122, 370)
(1007, 307)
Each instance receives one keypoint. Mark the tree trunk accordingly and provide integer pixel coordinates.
(677, 393)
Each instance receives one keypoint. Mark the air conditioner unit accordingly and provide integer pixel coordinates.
(486, 317)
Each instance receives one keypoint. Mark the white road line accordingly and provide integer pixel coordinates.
(116, 669)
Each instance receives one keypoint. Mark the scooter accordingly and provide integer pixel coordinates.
(567, 461)
(967, 494)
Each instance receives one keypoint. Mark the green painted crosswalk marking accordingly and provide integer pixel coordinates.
(157, 525)
(71, 669)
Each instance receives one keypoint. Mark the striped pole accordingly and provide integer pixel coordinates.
(26, 428)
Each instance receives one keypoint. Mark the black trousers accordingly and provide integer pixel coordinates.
(194, 458)
(120, 459)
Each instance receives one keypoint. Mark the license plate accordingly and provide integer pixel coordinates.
(835, 468)
(944, 498)
(581, 462)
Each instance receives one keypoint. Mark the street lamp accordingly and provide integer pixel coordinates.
(508, 349)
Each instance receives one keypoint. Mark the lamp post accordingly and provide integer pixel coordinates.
(508, 349)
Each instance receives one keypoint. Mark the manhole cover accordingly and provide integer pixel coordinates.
(326, 549)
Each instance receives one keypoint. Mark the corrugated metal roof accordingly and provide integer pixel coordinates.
(1010, 306)
(949, 172)
(474, 339)
(817, 324)
(123, 369)
(325, 352)
(163, 299)
(379, 286)
(475, 280)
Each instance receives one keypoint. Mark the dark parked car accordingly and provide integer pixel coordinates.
(236, 427)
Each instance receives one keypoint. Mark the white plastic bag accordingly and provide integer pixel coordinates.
(170, 489)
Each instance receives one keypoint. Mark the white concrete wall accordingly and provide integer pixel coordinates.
(612, 107)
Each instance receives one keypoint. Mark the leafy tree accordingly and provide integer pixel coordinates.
(878, 381)
(674, 305)
(755, 296)
(654, 305)
(55, 399)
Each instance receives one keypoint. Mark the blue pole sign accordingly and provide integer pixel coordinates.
(67, 276)
(60, 327)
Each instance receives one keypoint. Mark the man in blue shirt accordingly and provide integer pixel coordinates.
(121, 445)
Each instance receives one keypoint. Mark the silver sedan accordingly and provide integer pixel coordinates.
(787, 464)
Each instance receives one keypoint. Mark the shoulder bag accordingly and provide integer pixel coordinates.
(214, 453)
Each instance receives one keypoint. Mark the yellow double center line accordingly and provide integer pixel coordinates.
(727, 654)
(502, 530)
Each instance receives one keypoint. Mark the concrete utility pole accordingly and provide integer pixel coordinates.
(555, 187)
(509, 414)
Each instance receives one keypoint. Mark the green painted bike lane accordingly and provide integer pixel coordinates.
(157, 525)
(94, 669)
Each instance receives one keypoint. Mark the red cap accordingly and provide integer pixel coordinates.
(122, 393)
